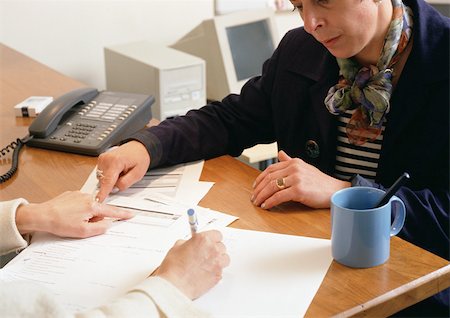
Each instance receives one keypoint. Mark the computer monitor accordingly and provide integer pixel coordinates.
(234, 47)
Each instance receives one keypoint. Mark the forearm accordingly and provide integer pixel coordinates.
(11, 239)
(183, 139)
(30, 219)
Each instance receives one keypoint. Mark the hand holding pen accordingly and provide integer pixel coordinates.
(196, 265)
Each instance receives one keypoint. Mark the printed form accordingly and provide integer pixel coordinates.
(180, 182)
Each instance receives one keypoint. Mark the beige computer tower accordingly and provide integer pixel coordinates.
(176, 79)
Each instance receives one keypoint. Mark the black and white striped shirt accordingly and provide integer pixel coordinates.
(352, 159)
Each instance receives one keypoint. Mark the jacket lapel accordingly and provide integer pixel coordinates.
(323, 71)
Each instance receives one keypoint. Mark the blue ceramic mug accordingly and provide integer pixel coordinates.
(360, 233)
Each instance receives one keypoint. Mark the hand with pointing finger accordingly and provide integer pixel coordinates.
(71, 214)
(121, 167)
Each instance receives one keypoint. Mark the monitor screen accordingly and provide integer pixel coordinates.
(234, 47)
(250, 44)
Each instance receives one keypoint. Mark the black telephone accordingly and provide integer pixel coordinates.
(85, 121)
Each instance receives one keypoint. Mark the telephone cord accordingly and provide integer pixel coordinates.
(16, 146)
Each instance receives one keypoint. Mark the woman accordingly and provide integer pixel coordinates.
(189, 269)
(357, 96)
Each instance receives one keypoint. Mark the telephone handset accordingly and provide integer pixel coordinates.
(87, 122)
(84, 121)
(43, 125)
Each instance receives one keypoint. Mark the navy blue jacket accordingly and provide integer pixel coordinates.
(286, 104)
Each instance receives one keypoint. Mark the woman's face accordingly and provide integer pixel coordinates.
(345, 27)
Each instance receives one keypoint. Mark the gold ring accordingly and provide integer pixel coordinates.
(280, 182)
(99, 174)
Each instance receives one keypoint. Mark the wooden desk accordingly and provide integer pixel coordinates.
(410, 275)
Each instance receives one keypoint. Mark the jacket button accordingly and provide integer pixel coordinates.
(312, 149)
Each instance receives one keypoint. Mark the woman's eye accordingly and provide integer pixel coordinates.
(322, 2)
(299, 8)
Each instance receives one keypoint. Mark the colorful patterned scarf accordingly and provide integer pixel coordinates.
(368, 89)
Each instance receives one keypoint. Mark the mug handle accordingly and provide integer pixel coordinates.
(399, 210)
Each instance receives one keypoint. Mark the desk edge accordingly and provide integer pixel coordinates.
(437, 281)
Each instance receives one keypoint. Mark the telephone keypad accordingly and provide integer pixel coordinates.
(99, 111)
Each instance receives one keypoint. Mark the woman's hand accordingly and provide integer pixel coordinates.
(196, 265)
(71, 214)
(121, 167)
(297, 181)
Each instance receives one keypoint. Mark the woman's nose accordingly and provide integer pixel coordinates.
(312, 22)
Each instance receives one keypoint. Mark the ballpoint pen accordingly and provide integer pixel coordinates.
(393, 189)
(193, 222)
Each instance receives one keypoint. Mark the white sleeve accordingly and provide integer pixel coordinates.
(26, 299)
(10, 238)
(154, 297)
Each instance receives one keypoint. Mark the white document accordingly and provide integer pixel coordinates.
(82, 274)
(179, 182)
(270, 275)
(163, 211)
(86, 273)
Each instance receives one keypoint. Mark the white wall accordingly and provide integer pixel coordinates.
(69, 35)
(287, 20)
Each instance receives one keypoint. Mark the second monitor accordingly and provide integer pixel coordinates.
(234, 47)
